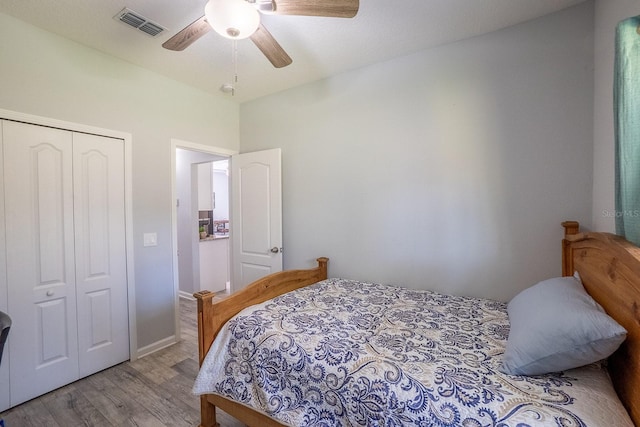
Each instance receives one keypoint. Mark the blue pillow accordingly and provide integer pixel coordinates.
(556, 325)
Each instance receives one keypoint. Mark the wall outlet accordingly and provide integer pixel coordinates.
(150, 239)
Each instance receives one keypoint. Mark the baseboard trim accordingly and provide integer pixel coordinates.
(156, 346)
(186, 295)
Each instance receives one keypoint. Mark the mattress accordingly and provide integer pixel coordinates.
(349, 353)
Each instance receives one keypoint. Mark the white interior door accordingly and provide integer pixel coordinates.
(40, 259)
(5, 401)
(101, 281)
(256, 215)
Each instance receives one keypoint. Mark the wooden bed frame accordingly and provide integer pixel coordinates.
(213, 315)
(608, 265)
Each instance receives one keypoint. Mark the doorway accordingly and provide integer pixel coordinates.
(201, 255)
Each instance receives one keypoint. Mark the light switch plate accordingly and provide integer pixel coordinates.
(150, 239)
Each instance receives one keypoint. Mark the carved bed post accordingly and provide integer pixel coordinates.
(570, 228)
(322, 265)
(205, 338)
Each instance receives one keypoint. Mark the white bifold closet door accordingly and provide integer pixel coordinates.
(101, 266)
(66, 260)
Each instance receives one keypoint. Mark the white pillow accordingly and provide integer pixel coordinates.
(556, 325)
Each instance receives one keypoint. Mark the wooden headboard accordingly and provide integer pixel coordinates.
(609, 267)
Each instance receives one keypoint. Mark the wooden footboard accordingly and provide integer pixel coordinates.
(212, 316)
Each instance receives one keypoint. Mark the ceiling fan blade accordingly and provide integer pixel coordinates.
(330, 8)
(270, 47)
(188, 35)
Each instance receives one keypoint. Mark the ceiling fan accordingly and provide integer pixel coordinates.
(239, 19)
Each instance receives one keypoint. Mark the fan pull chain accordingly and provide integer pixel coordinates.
(234, 60)
(231, 87)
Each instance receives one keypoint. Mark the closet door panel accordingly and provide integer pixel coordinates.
(40, 259)
(5, 401)
(101, 280)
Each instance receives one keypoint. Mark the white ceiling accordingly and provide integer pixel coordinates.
(319, 47)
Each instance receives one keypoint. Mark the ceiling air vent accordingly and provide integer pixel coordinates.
(138, 21)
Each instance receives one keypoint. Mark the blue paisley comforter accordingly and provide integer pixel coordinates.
(348, 353)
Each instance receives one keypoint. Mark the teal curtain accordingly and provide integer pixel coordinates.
(627, 128)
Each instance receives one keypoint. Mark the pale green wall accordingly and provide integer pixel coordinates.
(450, 169)
(45, 75)
(483, 145)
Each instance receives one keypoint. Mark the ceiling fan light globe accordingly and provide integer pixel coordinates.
(233, 19)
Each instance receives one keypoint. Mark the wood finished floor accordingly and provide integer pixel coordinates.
(153, 391)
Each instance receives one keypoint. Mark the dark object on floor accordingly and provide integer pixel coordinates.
(5, 325)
